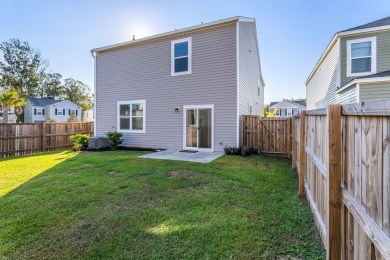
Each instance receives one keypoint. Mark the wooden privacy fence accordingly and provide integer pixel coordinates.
(20, 139)
(342, 154)
(268, 135)
(344, 170)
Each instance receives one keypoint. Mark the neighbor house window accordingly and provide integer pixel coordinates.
(38, 111)
(59, 111)
(181, 57)
(74, 111)
(361, 57)
(289, 111)
(131, 116)
(277, 112)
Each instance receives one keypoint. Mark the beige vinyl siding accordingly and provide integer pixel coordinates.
(143, 72)
(374, 91)
(382, 55)
(249, 72)
(321, 89)
(347, 96)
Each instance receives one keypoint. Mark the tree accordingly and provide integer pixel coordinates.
(20, 68)
(8, 99)
(78, 93)
(51, 86)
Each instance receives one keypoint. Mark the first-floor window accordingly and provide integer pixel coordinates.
(131, 116)
(289, 112)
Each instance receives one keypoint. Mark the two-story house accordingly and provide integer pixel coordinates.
(41, 109)
(355, 67)
(287, 108)
(184, 89)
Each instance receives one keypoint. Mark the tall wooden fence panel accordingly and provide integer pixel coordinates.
(342, 154)
(20, 139)
(268, 135)
(346, 175)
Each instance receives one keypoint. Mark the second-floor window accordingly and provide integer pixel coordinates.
(361, 57)
(181, 57)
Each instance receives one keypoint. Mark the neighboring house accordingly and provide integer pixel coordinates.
(185, 89)
(11, 115)
(355, 67)
(88, 115)
(41, 109)
(287, 108)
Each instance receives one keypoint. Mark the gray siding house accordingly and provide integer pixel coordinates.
(355, 67)
(185, 89)
(41, 109)
(287, 108)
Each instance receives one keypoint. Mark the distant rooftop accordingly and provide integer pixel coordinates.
(299, 102)
(42, 102)
(377, 23)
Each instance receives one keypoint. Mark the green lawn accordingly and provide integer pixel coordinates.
(116, 205)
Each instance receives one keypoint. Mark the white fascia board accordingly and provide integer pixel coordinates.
(168, 34)
(366, 30)
(362, 81)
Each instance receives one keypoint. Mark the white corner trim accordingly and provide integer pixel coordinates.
(238, 82)
(130, 102)
(189, 40)
(373, 56)
(363, 81)
(357, 93)
(94, 94)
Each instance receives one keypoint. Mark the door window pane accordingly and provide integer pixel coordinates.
(204, 128)
(191, 129)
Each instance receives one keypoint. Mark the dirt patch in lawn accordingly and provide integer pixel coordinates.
(190, 175)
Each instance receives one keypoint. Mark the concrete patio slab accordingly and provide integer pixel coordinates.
(202, 157)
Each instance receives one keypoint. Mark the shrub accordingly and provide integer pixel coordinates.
(51, 120)
(73, 118)
(114, 139)
(79, 141)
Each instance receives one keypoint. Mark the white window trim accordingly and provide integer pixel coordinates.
(40, 110)
(130, 102)
(189, 40)
(287, 109)
(373, 56)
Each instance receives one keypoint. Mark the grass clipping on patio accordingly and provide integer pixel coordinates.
(116, 205)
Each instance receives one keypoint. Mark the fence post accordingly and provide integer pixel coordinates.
(302, 153)
(288, 122)
(293, 144)
(334, 181)
(43, 137)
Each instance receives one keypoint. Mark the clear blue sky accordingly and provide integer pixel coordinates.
(292, 33)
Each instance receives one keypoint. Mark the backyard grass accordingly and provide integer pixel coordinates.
(116, 205)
